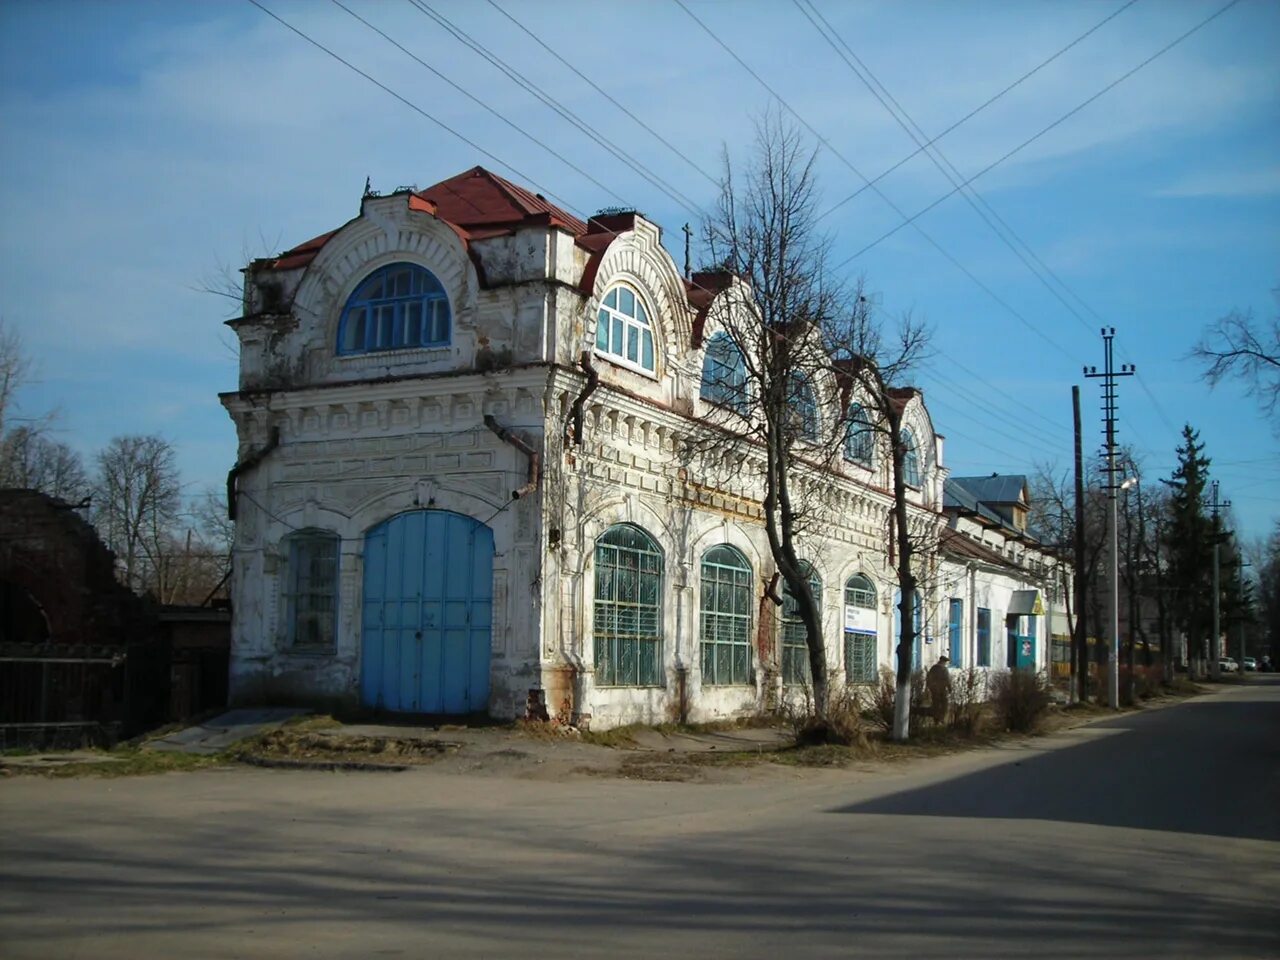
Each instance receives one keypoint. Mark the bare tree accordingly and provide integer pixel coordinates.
(804, 342)
(1241, 347)
(33, 461)
(137, 499)
(15, 367)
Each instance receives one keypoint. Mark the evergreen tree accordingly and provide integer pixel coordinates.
(1189, 541)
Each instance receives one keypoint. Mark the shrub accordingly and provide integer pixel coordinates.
(1020, 699)
(880, 707)
(844, 724)
(968, 700)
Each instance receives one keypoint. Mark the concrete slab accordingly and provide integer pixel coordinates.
(216, 735)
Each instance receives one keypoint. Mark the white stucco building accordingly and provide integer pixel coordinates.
(464, 474)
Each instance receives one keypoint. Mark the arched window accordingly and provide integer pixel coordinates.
(804, 407)
(397, 307)
(311, 589)
(795, 646)
(910, 460)
(860, 637)
(725, 616)
(724, 374)
(628, 608)
(859, 437)
(623, 332)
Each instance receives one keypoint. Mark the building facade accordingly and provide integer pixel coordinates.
(474, 469)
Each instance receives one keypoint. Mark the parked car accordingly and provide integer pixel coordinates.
(1249, 663)
(1228, 665)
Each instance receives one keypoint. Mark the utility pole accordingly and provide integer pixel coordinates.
(1079, 642)
(688, 264)
(1240, 619)
(1216, 637)
(1108, 375)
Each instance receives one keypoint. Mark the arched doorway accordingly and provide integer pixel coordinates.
(427, 614)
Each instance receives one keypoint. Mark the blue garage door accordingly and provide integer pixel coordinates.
(428, 612)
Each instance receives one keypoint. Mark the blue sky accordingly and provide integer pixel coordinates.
(148, 145)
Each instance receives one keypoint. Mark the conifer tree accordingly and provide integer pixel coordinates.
(1189, 539)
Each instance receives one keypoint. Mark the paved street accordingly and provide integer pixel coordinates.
(1152, 835)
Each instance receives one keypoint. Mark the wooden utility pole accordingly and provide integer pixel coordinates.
(1080, 647)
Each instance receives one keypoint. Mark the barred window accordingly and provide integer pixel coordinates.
(804, 407)
(311, 589)
(860, 640)
(910, 460)
(397, 307)
(725, 616)
(724, 374)
(795, 647)
(984, 637)
(628, 608)
(859, 438)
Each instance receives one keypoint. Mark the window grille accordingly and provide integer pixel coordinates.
(860, 659)
(860, 438)
(628, 608)
(725, 617)
(311, 593)
(724, 374)
(795, 647)
(397, 307)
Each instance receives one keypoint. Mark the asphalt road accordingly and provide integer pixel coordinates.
(1151, 835)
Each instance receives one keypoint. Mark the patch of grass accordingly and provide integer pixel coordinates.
(294, 744)
(310, 722)
(123, 762)
(619, 738)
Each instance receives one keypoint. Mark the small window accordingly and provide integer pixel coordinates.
(804, 407)
(725, 617)
(724, 374)
(311, 591)
(628, 608)
(795, 646)
(397, 307)
(910, 460)
(859, 438)
(623, 331)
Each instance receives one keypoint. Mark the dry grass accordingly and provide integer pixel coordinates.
(121, 762)
(292, 744)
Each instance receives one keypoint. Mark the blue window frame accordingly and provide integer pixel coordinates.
(725, 616)
(910, 459)
(628, 608)
(724, 374)
(955, 632)
(984, 637)
(804, 407)
(397, 307)
(623, 331)
(795, 643)
(859, 437)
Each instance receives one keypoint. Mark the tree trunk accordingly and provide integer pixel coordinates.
(906, 585)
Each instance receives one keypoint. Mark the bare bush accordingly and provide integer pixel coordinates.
(968, 700)
(1020, 699)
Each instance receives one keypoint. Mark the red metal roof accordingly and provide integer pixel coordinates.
(479, 198)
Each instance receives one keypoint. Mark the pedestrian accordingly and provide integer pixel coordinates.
(938, 682)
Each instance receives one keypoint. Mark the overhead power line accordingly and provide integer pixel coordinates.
(550, 101)
(604, 93)
(1036, 136)
(813, 131)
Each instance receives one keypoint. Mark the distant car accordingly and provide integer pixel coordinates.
(1228, 665)
(1249, 663)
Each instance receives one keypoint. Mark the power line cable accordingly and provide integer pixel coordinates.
(893, 206)
(521, 80)
(480, 103)
(982, 106)
(596, 87)
(1034, 137)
